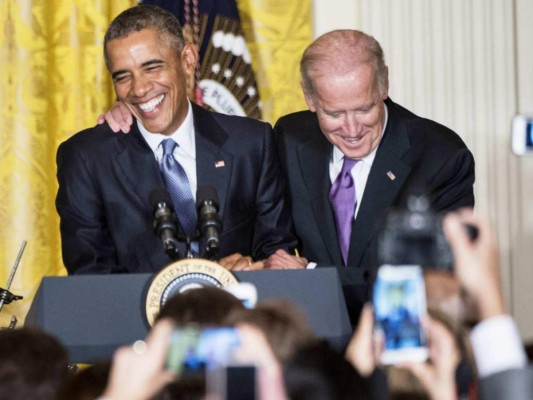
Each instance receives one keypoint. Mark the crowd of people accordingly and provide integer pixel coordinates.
(479, 357)
(314, 191)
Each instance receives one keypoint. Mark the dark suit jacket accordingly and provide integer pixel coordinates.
(515, 384)
(414, 149)
(105, 180)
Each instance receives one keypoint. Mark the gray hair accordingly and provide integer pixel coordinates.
(343, 50)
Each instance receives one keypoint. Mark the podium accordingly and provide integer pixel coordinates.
(92, 315)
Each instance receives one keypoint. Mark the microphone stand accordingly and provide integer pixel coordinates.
(188, 240)
(188, 251)
(6, 296)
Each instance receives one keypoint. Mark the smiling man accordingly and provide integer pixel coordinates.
(353, 156)
(105, 180)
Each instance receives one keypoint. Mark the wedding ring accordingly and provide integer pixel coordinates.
(139, 347)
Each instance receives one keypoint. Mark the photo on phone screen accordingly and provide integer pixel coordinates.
(399, 305)
(192, 350)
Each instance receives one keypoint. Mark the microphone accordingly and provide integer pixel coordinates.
(165, 222)
(209, 222)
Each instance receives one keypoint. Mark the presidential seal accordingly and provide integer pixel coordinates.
(181, 276)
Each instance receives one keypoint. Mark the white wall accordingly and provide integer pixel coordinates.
(469, 65)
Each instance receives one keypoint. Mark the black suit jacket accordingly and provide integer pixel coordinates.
(105, 180)
(415, 150)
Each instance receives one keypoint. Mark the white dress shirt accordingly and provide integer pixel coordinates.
(360, 171)
(184, 153)
(497, 346)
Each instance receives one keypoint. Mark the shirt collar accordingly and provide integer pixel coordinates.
(184, 135)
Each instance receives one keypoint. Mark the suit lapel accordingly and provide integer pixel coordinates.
(138, 165)
(313, 157)
(213, 165)
(386, 179)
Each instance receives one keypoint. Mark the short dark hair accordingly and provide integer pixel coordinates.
(205, 306)
(142, 17)
(33, 365)
(282, 322)
(317, 371)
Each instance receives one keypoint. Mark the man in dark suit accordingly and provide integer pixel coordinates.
(105, 179)
(354, 131)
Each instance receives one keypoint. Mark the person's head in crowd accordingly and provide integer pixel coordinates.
(318, 372)
(282, 323)
(204, 306)
(89, 383)
(33, 365)
(444, 295)
(345, 81)
(150, 63)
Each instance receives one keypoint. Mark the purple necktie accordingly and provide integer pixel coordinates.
(342, 198)
(177, 185)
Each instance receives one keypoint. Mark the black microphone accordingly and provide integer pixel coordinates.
(209, 222)
(165, 222)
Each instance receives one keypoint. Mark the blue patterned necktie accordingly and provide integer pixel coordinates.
(342, 198)
(178, 186)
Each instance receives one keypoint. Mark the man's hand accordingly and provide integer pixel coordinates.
(238, 262)
(476, 261)
(139, 373)
(256, 350)
(283, 260)
(365, 347)
(118, 118)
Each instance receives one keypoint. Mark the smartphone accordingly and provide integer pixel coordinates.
(522, 135)
(194, 350)
(399, 306)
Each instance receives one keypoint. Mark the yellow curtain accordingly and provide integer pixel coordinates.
(277, 32)
(54, 83)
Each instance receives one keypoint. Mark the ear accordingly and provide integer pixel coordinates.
(309, 100)
(189, 58)
(385, 93)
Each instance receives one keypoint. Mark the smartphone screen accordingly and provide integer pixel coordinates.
(522, 135)
(399, 306)
(529, 135)
(194, 350)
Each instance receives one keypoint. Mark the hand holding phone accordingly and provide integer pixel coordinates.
(211, 354)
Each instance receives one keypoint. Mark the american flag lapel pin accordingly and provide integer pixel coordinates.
(391, 175)
(219, 164)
